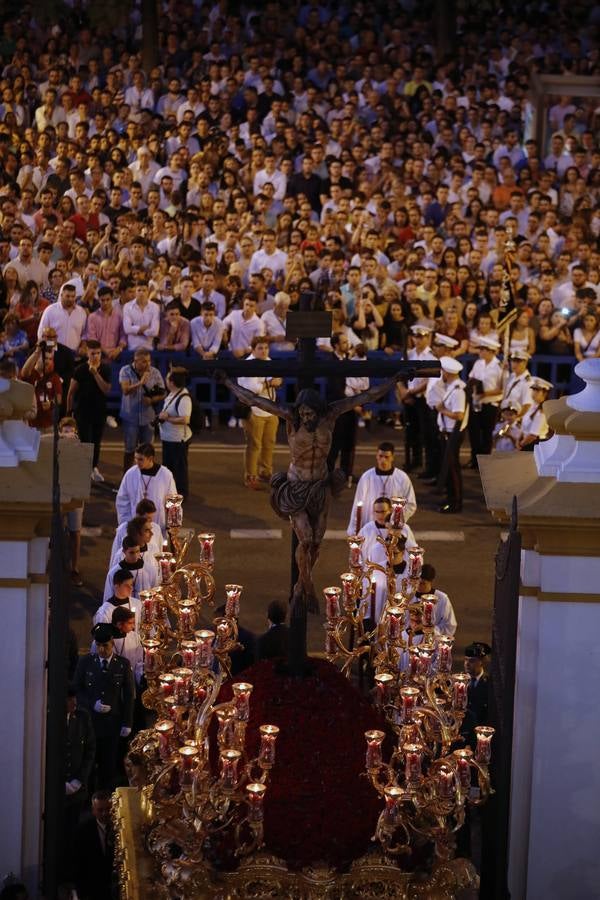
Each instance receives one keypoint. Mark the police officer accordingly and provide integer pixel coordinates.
(478, 690)
(80, 750)
(485, 384)
(105, 687)
(518, 384)
(434, 391)
(452, 420)
(413, 397)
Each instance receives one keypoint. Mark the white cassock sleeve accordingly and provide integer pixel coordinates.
(362, 493)
(444, 618)
(126, 501)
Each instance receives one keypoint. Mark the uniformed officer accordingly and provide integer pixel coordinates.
(105, 687)
(413, 397)
(80, 750)
(534, 427)
(452, 420)
(478, 690)
(434, 391)
(518, 383)
(485, 383)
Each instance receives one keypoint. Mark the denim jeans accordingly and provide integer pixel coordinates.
(134, 434)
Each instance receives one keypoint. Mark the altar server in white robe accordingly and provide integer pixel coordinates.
(122, 597)
(141, 564)
(383, 480)
(444, 619)
(146, 479)
(373, 551)
(147, 510)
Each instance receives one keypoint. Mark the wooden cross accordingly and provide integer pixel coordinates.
(305, 326)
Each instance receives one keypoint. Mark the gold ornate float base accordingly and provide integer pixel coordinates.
(262, 876)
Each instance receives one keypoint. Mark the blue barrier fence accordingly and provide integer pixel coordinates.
(216, 398)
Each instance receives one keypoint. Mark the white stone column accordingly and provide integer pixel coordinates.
(554, 836)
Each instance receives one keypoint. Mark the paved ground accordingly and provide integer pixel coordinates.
(462, 547)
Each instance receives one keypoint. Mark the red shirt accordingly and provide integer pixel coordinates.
(48, 389)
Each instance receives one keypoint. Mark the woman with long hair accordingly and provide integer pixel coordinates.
(28, 309)
(586, 338)
(393, 335)
(522, 335)
(174, 426)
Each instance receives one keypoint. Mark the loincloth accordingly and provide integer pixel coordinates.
(291, 497)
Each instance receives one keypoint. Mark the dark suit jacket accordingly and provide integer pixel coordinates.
(93, 866)
(116, 689)
(478, 698)
(241, 659)
(80, 748)
(273, 642)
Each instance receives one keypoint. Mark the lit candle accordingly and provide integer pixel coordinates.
(408, 698)
(229, 766)
(428, 602)
(226, 732)
(167, 684)
(164, 728)
(463, 767)
(374, 742)
(188, 761)
(397, 515)
(413, 661)
(415, 562)
(255, 795)
(332, 602)
(444, 654)
(425, 655)
(207, 553)
(348, 585)
(392, 797)
(204, 642)
(413, 756)
(224, 631)
(395, 621)
(233, 593)
(483, 750)
(445, 783)
(460, 684)
(174, 510)
(187, 614)
(182, 677)
(148, 606)
(151, 656)
(268, 738)
(200, 694)
(383, 684)
(164, 562)
(241, 700)
(359, 513)
(354, 548)
(188, 654)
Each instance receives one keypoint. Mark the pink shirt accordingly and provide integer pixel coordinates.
(106, 329)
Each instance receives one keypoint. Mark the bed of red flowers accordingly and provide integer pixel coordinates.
(320, 806)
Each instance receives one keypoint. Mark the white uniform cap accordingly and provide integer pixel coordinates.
(421, 329)
(519, 354)
(511, 404)
(450, 365)
(489, 343)
(445, 340)
(541, 384)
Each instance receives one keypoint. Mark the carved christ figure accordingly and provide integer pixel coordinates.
(302, 495)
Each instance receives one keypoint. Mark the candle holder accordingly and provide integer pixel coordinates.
(174, 510)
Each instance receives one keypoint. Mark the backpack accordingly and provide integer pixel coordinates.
(196, 422)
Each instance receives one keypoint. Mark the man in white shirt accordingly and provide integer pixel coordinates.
(260, 427)
(242, 325)
(518, 384)
(67, 319)
(141, 319)
(383, 480)
(271, 174)
(413, 397)
(373, 551)
(274, 321)
(206, 331)
(485, 380)
(268, 257)
(28, 267)
(452, 420)
(144, 169)
(146, 478)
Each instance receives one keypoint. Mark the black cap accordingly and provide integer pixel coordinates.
(478, 650)
(103, 632)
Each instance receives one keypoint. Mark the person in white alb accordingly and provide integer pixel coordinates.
(121, 597)
(141, 319)
(452, 421)
(268, 257)
(242, 325)
(518, 384)
(145, 479)
(444, 619)
(534, 426)
(145, 509)
(383, 480)
(373, 551)
(65, 317)
(260, 427)
(206, 331)
(485, 382)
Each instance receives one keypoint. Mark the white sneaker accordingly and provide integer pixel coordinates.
(111, 422)
(232, 422)
(97, 475)
(240, 423)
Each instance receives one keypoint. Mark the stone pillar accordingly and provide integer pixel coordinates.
(555, 790)
(25, 516)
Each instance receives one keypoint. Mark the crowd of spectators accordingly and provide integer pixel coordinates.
(276, 150)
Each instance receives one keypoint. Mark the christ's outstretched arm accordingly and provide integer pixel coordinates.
(341, 406)
(252, 399)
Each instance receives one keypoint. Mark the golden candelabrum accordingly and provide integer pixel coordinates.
(202, 788)
(431, 776)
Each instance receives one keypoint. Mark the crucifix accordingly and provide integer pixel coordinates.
(303, 494)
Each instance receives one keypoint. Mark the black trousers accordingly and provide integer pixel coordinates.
(413, 422)
(432, 441)
(107, 755)
(175, 458)
(450, 476)
(343, 443)
(481, 428)
(90, 428)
